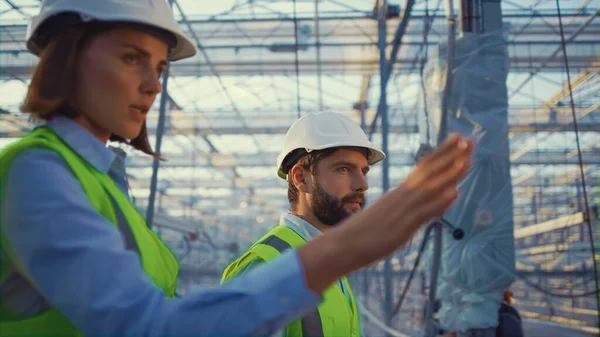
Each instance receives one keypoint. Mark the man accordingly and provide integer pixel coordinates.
(325, 159)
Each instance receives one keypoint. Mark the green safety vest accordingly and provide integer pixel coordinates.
(336, 316)
(156, 259)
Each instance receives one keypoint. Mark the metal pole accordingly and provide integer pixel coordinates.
(317, 36)
(160, 130)
(365, 272)
(382, 25)
(159, 133)
(430, 327)
(579, 205)
(534, 207)
(363, 124)
(396, 44)
(297, 63)
(450, 67)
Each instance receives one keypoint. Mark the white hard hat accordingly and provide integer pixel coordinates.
(155, 13)
(319, 131)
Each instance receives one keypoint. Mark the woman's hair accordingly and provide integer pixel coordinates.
(50, 92)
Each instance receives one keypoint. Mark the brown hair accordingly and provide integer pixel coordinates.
(309, 162)
(53, 81)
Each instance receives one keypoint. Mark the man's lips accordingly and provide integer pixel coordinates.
(356, 202)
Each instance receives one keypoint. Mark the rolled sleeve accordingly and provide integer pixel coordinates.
(77, 260)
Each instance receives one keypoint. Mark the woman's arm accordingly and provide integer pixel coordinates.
(77, 261)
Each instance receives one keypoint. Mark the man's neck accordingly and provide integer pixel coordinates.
(311, 219)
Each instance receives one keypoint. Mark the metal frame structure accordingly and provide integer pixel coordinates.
(222, 116)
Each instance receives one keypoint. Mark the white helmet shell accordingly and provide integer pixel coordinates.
(155, 13)
(319, 131)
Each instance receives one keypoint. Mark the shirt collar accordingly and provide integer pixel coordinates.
(83, 143)
(300, 226)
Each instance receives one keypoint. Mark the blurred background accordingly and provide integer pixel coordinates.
(263, 63)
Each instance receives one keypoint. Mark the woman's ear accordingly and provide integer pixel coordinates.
(300, 177)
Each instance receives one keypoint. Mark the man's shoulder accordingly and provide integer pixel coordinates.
(249, 260)
(273, 243)
(286, 234)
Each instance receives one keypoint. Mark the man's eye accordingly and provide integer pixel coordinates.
(130, 58)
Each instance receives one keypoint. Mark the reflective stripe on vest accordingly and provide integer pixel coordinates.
(311, 323)
(124, 228)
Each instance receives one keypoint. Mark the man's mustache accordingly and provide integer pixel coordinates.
(354, 196)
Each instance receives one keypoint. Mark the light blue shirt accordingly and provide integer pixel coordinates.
(300, 226)
(76, 260)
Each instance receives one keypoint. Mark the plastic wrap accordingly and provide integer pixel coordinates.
(476, 270)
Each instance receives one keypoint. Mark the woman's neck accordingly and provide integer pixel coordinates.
(92, 128)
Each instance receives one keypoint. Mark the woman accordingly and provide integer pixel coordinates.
(77, 259)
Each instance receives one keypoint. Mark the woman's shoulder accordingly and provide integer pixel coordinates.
(37, 158)
(38, 169)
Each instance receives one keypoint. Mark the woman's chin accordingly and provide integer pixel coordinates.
(129, 134)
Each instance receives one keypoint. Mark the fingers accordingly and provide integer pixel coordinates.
(433, 208)
(432, 187)
(455, 152)
(449, 178)
(453, 149)
(447, 181)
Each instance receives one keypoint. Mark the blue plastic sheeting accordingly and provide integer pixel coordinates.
(476, 270)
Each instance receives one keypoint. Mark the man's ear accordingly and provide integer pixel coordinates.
(301, 178)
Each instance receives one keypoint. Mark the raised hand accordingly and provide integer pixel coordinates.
(387, 224)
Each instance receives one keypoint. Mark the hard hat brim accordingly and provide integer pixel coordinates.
(184, 47)
(375, 156)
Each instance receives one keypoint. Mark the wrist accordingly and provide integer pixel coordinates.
(325, 259)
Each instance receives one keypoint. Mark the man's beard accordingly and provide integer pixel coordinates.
(329, 209)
